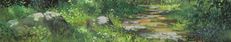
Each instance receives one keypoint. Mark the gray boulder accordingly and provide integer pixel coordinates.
(102, 20)
(51, 20)
(57, 24)
(23, 26)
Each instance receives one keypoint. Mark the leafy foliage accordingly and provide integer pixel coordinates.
(206, 19)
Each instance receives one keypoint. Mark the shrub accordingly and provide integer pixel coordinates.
(207, 19)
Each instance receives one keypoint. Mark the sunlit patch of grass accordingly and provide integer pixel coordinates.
(180, 14)
(181, 25)
(228, 34)
(116, 20)
(40, 33)
(100, 33)
(75, 16)
(169, 7)
(109, 34)
(15, 12)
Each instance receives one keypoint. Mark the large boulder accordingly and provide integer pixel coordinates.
(57, 24)
(51, 20)
(23, 26)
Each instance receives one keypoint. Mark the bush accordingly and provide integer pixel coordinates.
(207, 19)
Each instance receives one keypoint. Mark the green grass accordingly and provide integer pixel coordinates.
(77, 15)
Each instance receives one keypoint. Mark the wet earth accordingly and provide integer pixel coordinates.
(153, 24)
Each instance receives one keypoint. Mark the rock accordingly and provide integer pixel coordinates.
(32, 20)
(52, 20)
(12, 23)
(57, 24)
(154, 7)
(162, 35)
(23, 26)
(37, 16)
(50, 15)
(132, 26)
(102, 20)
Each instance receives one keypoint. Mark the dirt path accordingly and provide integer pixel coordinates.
(153, 24)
